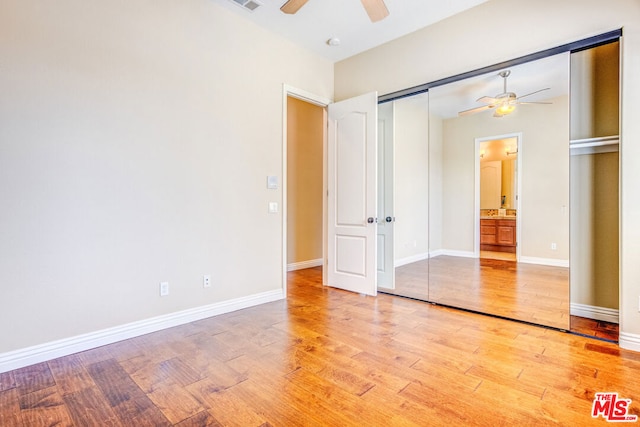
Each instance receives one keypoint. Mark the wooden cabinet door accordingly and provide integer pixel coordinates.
(506, 235)
(488, 234)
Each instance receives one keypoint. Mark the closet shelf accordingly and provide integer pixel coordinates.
(603, 144)
(595, 142)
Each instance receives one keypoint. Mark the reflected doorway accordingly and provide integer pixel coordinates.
(497, 181)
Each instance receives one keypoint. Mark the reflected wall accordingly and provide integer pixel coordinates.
(410, 195)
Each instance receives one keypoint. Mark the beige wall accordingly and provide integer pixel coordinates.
(508, 181)
(411, 183)
(595, 97)
(455, 45)
(544, 152)
(594, 230)
(305, 127)
(135, 142)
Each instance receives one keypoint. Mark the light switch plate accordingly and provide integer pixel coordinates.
(272, 182)
(273, 207)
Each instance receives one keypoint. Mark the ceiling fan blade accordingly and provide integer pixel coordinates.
(475, 110)
(376, 9)
(487, 100)
(525, 103)
(537, 91)
(292, 6)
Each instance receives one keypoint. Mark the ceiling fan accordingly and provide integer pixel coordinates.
(503, 103)
(376, 9)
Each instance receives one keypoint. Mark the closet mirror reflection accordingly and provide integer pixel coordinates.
(511, 259)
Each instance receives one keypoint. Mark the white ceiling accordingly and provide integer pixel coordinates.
(551, 72)
(320, 20)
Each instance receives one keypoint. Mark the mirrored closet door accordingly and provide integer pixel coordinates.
(500, 191)
(403, 188)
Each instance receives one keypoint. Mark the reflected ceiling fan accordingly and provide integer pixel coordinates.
(503, 103)
(376, 9)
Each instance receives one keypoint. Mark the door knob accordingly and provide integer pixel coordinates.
(388, 219)
(371, 220)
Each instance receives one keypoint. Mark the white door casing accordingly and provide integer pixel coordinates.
(352, 194)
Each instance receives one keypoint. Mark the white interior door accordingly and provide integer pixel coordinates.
(386, 218)
(351, 204)
(490, 184)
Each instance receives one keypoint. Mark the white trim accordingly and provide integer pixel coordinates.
(436, 253)
(303, 95)
(40, 353)
(304, 264)
(593, 312)
(453, 252)
(629, 341)
(545, 261)
(411, 259)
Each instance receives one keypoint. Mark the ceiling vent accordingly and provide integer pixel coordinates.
(249, 5)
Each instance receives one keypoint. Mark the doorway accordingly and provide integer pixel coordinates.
(498, 166)
(305, 136)
(303, 158)
(348, 130)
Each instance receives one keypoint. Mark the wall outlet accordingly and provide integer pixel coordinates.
(554, 247)
(206, 281)
(164, 289)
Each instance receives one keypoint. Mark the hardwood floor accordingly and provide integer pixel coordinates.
(595, 328)
(531, 293)
(328, 357)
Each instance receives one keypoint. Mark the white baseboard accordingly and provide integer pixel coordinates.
(435, 253)
(64, 347)
(629, 341)
(304, 264)
(545, 261)
(461, 254)
(411, 259)
(597, 313)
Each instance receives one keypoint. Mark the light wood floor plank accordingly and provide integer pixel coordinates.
(326, 357)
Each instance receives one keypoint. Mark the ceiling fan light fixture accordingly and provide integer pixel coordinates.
(504, 103)
(376, 9)
(504, 109)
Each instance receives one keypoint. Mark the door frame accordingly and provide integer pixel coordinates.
(303, 95)
(476, 235)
